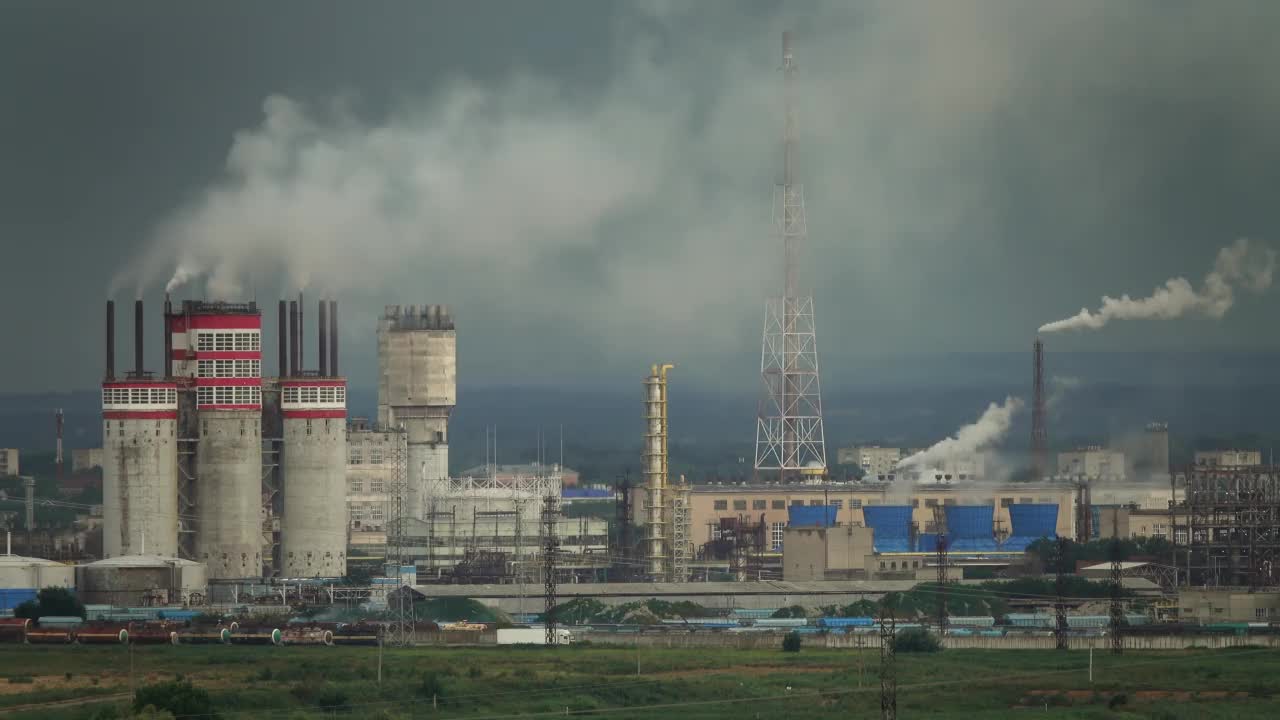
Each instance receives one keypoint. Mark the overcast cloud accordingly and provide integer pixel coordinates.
(588, 184)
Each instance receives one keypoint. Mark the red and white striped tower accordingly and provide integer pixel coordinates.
(313, 406)
(216, 351)
(140, 456)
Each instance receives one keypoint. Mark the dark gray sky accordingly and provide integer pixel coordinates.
(588, 183)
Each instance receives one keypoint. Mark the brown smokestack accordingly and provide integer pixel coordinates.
(293, 338)
(167, 334)
(322, 335)
(282, 331)
(137, 337)
(111, 339)
(333, 338)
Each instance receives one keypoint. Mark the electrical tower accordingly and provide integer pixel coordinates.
(942, 584)
(1117, 609)
(400, 630)
(789, 431)
(1039, 435)
(888, 669)
(550, 547)
(1060, 589)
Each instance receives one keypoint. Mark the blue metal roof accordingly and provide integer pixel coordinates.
(1031, 521)
(969, 528)
(812, 515)
(892, 526)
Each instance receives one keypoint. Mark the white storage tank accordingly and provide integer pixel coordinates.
(22, 577)
(142, 580)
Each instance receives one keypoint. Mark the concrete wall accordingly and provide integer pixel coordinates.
(140, 487)
(229, 493)
(314, 527)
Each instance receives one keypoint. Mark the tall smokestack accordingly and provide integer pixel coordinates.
(322, 335)
(293, 338)
(1039, 434)
(282, 332)
(167, 334)
(137, 337)
(302, 333)
(333, 337)
(111, 339)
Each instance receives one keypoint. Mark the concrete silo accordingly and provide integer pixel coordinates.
(313, 406)
(140, 454)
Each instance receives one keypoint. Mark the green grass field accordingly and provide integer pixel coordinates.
(304, 682)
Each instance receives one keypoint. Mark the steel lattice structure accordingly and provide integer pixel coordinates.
(1060, 589)
(1116, 604)
(888, 668)
(400, 630)
(550, 546)
(1233, 517)
(942, 561)
(789, 429)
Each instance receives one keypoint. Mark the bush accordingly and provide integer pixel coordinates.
(333, 699)
(179, 698)
(792, 611)
(431, 686)
(791, 643)
(916, 640)
(51, 601)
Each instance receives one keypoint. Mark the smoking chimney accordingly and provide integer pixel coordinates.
(137, 337)
(1039, 434)
(282, 333)
(322, 345)
(111, 339)
(333, 337)
(293, 338)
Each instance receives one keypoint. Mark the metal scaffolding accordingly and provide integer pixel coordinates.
(550, 546)
(400, 630)
(1233, 514)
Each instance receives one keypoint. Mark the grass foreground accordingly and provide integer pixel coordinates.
(313, 682)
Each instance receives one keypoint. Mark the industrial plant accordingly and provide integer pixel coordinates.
(223, 484)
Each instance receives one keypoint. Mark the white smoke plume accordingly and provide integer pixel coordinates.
(1243, 264)
(1059, 387)
(982, 434)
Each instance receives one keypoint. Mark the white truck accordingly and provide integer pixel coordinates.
(532, 636)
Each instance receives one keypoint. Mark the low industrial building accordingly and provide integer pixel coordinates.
(1215, 605)
(142, 581)
(1228, 458)
(22, 577)
(85, 459)
(1093, 462)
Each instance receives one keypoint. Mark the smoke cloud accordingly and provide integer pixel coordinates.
(1241, 264)
(982, 434)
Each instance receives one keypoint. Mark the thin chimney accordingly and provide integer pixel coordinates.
(137, 337)
(282, 333)
(293, 338)
(333, 338)
(322, 336)
(111, 339)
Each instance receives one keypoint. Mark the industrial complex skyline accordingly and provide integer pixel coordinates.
(588, 178)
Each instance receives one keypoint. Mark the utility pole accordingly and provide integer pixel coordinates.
(550, 546)
(888, 669)
(1059, 588)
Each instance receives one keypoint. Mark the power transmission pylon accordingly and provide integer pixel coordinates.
(888, 668)
(942, 560)
(1117, 609)
(1060, 589)
(400, 630)
(550, 546)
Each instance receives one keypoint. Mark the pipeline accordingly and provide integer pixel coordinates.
(14, 630)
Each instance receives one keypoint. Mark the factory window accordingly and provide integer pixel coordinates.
(248, 341)
(341, 394)
(881, 564)
(204, 395)
(375, 456)
(837, 504)
(1044, 500)
(357, 513)
(289, 395)
(779, 504)
(949, 501)
(931, 502)
(376, 485)
(759, 504)
(357, 486)
(1024, 501)
(375, 513)
(855, 504)
(915, 502)
(721, 505)
(815, 502)
(308, 426)
(776, 531)
(1258, 613)
(797, 503)
(327, 394)
(1006, 502)
(354, 457)
(739, 504)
